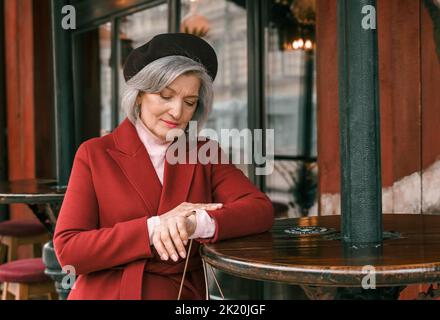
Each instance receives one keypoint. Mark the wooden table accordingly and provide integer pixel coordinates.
(327, 269)
(44, 198)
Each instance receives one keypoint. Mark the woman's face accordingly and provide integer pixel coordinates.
(171, 108)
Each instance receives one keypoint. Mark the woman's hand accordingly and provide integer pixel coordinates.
(176, 226)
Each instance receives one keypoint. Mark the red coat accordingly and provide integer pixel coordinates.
(113, 188)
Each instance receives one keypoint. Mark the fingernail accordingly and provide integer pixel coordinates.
(174, 257)
(182, 254)
(185, 242)
(164, 257)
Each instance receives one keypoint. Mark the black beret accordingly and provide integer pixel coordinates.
(170, 44)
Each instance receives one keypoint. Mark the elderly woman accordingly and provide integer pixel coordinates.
(128, 216)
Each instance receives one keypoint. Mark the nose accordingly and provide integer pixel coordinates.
(176, 109)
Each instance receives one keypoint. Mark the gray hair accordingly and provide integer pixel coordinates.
(160, 73)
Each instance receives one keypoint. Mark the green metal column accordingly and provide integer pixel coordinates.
(64, 102)
(174, 12)
(361, 188)
(306, 110)
(256, 24)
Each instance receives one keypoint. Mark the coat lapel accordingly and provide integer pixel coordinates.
(134, 161)
(177, 182)
(176, 185)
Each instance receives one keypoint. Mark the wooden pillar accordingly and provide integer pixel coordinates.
(361, 188)
(3, 146)
(19, 38)
(327, 98)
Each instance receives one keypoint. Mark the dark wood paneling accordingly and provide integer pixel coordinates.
(43, 81)
(430, 80)
(327, 90)
(405, 95)
(430, 89)
(386, 88)
(399, 71)
(399, 27)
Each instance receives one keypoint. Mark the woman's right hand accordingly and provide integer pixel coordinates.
(175, 227)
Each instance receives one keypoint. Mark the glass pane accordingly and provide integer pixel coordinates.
(290, 89)
(137, 29)
(105, 52)
(214, 20)
(291, 105)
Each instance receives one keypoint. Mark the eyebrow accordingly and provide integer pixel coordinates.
(174, 91)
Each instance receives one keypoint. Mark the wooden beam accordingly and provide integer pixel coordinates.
(20, 94)
(3, 146)
(327, 99)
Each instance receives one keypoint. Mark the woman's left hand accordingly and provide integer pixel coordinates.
(176, 226)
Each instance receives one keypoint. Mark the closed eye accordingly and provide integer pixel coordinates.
(165, 97)
(190, 103)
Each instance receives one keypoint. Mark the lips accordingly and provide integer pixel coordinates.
(170, 124)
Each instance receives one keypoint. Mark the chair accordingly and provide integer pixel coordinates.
(15, 233)
(24, 279)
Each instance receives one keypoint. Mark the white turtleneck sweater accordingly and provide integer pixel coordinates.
(156, 149)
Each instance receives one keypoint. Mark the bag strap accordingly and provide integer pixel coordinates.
(205, 266)
(184, 270)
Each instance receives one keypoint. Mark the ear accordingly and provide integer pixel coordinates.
(139, 98)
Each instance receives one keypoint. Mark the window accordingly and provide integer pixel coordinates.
(214, 20)
(99, 56)
(291, 112)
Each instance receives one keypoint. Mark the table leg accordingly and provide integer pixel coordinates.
(345, 293)
(46, 213)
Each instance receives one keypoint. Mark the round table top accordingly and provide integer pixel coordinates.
(30, 191)
(323, 260)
